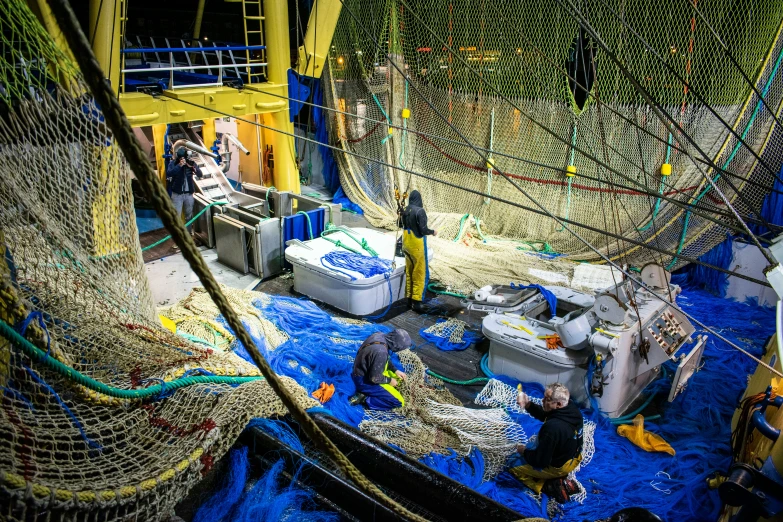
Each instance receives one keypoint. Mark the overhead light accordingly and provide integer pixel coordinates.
(340, 60)
(205, 38)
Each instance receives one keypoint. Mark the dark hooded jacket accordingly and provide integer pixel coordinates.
(414, 218)
(373, 355)
(559, 439)
(181, 178)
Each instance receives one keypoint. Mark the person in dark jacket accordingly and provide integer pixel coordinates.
(374, 374)
(559, 444)
(414, 245)
(179, 176)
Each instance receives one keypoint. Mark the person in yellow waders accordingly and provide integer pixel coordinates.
(414, 245)
(374, 374)
(559, 443)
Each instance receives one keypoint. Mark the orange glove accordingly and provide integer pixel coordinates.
(324, 392)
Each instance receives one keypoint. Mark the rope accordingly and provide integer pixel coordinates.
(39, 356)
(436, 288)
(309, 224)
(365, 265)
(123, 134)
(461, 227)
(469, 382)
(194, 218)
(360, 241)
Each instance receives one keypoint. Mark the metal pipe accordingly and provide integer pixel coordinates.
(413, 480)
(194, 147)
(236, 142)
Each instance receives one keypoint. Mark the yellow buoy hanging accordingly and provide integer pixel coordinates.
(571, 171)
(666, 169)
(406, 113)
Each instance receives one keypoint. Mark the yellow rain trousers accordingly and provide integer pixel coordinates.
(417, 271)
(535, 478)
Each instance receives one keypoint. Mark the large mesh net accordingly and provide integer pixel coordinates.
(500, 76)
(73, 280)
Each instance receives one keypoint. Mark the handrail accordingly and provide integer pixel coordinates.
(192, 49)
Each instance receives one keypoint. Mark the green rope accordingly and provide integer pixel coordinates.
(461, 227)
(309, 224)
(570, 178)
(388, 120)
(194, 218)
(361, 241)
(38, 355)
(470, 382)
(726, 164)
(435, 288)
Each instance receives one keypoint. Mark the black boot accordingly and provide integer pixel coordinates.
(356, 399)
(419, 307)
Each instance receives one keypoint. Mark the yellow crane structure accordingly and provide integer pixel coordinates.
(263, 99)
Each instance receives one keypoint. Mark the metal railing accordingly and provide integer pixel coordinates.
(160, 64)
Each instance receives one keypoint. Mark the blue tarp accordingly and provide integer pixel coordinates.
(297, 93)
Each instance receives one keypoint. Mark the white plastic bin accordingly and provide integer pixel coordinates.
(525, 357)
(361, 296)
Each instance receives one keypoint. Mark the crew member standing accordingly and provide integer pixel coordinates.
(414, 245)
(179, 175)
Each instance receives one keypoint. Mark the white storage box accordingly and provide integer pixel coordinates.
(362, 296)
(522, 355)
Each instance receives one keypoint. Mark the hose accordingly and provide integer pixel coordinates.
(194, 218)
(433, 287)
(484, 365)
(469, 382)
(38, 355)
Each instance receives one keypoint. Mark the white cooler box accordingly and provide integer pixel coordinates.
(517, 354)
(361, 296)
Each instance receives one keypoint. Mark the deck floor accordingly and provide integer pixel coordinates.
(459, 365)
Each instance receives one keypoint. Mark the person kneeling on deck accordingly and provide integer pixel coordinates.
(559, 444)
(414, 245)
(374, 374)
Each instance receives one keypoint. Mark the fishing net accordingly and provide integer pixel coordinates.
(104, 414)
(465, 60)
(307, 344)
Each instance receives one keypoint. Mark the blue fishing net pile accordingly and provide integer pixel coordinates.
(312, 355)
(267, 499)
(444, 343)
(697, 425)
